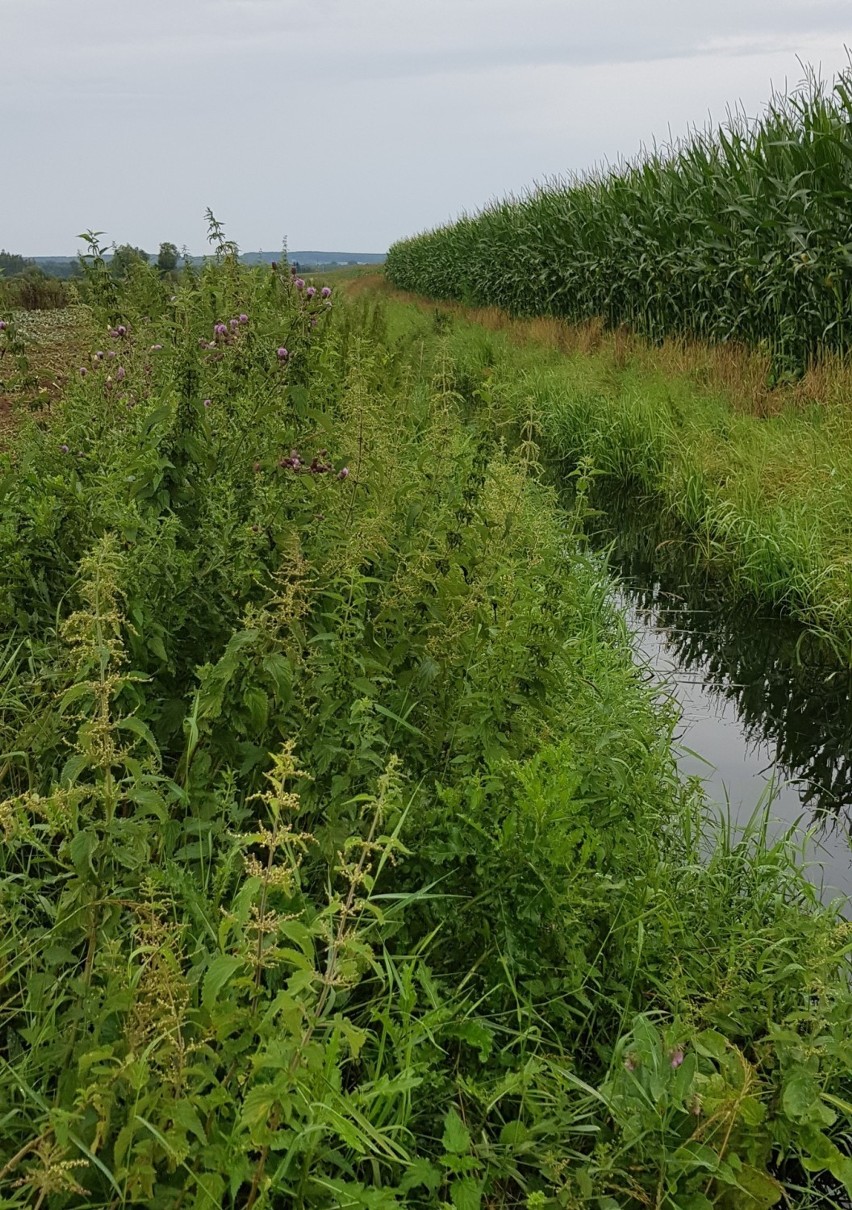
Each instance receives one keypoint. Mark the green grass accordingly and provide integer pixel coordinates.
(346, 863)
(766, 499)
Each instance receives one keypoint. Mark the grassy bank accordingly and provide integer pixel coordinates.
(759, 480)
(345, 859)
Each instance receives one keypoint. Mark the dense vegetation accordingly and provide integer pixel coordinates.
(760, 488)
(345, 861)
(739, 234)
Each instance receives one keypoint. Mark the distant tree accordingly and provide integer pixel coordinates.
(124, 257)
(168, 258)
(11, 263)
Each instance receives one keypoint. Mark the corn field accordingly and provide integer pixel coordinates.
(741, 233)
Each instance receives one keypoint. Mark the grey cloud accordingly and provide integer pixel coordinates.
(353, 121)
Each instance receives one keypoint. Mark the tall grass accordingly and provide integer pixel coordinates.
(345, 863)
(741, 233)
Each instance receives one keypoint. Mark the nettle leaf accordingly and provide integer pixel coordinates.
(81, 849)
(421, 1174)
(257, 704)
(475, 1034)
(72, 768)
(466, 1194)
(136, 727)
(456, 1137)
(221, 969)
(258, 1104)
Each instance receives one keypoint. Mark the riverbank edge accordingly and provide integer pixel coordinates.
(765, 500)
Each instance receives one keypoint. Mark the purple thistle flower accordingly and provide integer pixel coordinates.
(326, 291)
(83, 371)
(283, 354)
(3, 325)
(207, 402)
(311, 291)
(677, 1057)
(299, 283)
(344, 473)
(631, 1062)
(121, 330)
(63, 449)
(243, 318)
(220, 330)
(121, 373)
(98, 356)
(111, 353)
(233, 324)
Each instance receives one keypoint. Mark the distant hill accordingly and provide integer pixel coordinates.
(62, 266)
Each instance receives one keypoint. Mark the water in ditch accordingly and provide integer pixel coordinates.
(766, 709)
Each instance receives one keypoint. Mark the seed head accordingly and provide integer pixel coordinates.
(156, 348)
(121, 373)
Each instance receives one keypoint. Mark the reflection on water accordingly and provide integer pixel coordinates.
(765, 704)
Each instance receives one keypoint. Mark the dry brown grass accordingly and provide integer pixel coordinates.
(739, 374)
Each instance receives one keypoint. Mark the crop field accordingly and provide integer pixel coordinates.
(740, 234)
(345, 859)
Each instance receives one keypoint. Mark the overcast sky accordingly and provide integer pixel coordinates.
(345, 124)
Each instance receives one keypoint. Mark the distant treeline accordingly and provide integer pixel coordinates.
(743, 233)
(48, 282)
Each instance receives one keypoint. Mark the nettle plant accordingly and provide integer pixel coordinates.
(345, 863)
